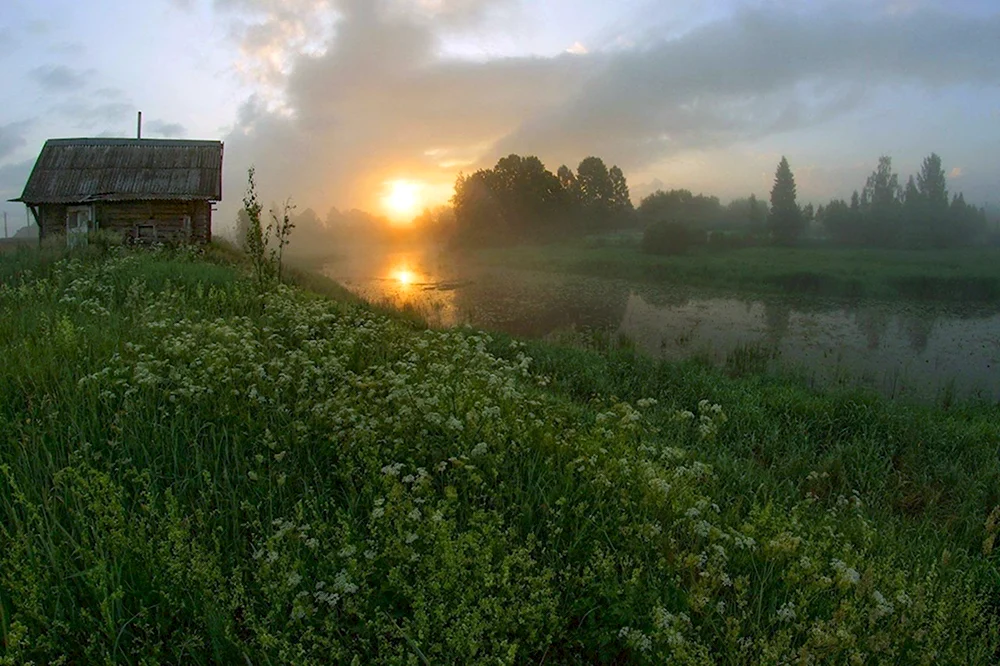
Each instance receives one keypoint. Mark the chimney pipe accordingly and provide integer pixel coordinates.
(138, 131)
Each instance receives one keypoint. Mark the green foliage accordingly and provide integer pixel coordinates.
(195, 472)
(621, 207)
(669, 237)
(602, 195)
(256, 239)
(933, 187)
(697, 212)
(478, 218)
(917, 216)
(520, 200)
(595, 190)
(785, 220)
(264, 245)
(281, 229)
(745, 214)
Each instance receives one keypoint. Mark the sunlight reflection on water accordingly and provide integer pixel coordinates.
(899, 348)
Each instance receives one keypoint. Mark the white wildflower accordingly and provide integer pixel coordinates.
(845, 575)
(882, 607)
(393, 469)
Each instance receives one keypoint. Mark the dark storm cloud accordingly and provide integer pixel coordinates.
(381, 97)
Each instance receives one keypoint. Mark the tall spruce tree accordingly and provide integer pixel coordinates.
(785, 221)
(933, 188)
(881, 203)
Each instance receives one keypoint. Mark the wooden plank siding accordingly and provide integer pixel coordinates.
(146, 221)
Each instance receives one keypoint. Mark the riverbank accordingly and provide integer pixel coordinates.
(198, 472)
(968, 274)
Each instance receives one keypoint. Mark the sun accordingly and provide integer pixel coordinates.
(404, 276)
(402, 199)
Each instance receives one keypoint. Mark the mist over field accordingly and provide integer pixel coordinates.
(333, 101)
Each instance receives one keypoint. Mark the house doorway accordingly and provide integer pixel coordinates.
(79, 221)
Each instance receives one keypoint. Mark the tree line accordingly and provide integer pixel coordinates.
(919, 215)
(519, 199)
(883, 214)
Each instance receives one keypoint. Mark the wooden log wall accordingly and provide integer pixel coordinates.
(144, 221)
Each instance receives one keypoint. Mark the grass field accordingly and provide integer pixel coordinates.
(198, 472)
(968, 274)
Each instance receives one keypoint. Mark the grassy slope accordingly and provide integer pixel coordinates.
(194, 472)
(964, 274)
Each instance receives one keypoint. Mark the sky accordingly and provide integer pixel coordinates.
(335, 102)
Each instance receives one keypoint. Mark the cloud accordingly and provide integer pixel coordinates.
(270, 33)
(577, 49)
(12, 137)
(8, 42)
(164, 129)
(379, 99)
(59, 78)
(376, 99)
(13, 178)
(105, 108)
(759, 73)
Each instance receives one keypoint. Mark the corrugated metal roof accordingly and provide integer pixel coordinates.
(83, 170)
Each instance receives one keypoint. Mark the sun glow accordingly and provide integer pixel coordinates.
(404, 276)
(402, 199)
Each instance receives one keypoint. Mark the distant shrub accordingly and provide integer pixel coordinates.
(729, 240)
(671, 237)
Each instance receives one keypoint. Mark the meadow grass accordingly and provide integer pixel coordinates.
(198, 472)
(965, 274)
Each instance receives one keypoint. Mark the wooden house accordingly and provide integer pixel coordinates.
(149, 190)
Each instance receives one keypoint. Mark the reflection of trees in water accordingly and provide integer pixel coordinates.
(776, 318)
(529, 308)
(663, 298)
(873, 324)
(918, 330)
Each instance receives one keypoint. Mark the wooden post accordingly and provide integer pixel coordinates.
(5, 225)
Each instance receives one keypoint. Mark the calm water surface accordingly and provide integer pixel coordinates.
(918, 350)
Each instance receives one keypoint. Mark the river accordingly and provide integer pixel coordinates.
(920, 351)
